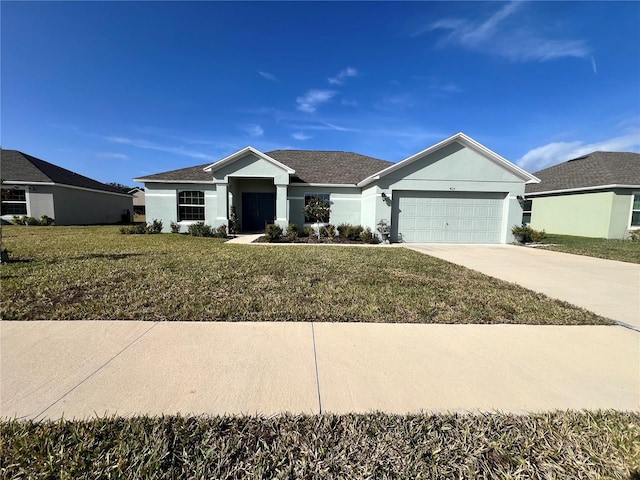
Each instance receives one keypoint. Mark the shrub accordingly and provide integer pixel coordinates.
(634, 235)
(234, 223)
(46, 220)
(528, 234)
(137, 229)
(307, 232)
(220, 232)
(537, 235)
(200, 229)
(330, 231)
(292, 232)
(175, 228)
(18, 220)
(273, 232)
(351, 232)
(30, 221)
(154, 227)
(367, 236)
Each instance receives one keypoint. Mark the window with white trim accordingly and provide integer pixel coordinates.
(526, 212)
(635, 211)
(322, 197)
(191, 205)
(14, 201)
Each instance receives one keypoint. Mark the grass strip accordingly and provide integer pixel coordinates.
(621, 250)
(95, 273)
(570, 444)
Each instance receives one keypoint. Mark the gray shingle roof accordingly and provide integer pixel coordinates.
(20, 167)
(592, 170)
(333, 167)
(311, 166)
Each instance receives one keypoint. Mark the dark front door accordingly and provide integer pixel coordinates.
(258, 210)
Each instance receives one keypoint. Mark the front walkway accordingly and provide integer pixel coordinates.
(606, 287)
(82, 369)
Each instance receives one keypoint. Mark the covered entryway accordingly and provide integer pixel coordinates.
(448, 217)
(258, 210)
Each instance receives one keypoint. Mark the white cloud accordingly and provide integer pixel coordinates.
(300, 136)
(340, 77)
(117, 156)
(253, 130)
(310, 101)
(268, 76)
(557, 152)
(161, 148)
(516, 42)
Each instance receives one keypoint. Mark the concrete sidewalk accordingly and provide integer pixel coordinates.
(82, 369)
(606, 287)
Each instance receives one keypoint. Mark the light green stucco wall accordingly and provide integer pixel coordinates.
(585, 214)
(454, 168)
(162, 203)
(252, 166)
(345, 203)
(621, 205)
(591, 214)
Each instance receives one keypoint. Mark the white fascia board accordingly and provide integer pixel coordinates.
(22, 182)
(581, 189)
(465, 140)
(74, 187)
(241, 153)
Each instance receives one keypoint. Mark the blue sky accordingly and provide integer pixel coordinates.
(118, 90)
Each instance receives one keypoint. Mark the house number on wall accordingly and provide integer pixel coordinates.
(452, 188)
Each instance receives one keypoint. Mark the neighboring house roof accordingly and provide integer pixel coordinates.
(596, 170)
(307, 166)
(464, 140)
(18, 167)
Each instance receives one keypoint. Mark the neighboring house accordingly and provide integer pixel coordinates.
(138, 204)
(33, 187)
(596, 195)
(456, 191)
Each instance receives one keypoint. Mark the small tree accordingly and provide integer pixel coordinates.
(317, 210)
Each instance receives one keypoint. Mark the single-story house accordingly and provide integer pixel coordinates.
(32, 187)
(138, 204)
(596, 195)
(456, 191)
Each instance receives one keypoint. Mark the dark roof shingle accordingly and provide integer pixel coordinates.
(592, 170)
(20, 167)
(311, 166)
(334, 167)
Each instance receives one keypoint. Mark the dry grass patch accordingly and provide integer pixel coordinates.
(96, 273)
(590, 445)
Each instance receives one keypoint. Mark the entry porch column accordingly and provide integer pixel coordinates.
(222, 209)
(282, 219)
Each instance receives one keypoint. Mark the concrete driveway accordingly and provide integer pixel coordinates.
(606, 287)
(80, 369)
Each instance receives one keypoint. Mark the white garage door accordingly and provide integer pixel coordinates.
(448, 217)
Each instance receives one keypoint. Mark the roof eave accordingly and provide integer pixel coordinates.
(582, 189)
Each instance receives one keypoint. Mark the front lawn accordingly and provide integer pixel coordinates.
(621, 250)
(97, 273)
(600, 444)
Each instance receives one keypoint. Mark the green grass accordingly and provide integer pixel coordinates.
(603, 444)
(621, 250)
(97, 273)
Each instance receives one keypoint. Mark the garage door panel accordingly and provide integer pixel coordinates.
(450, 217)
